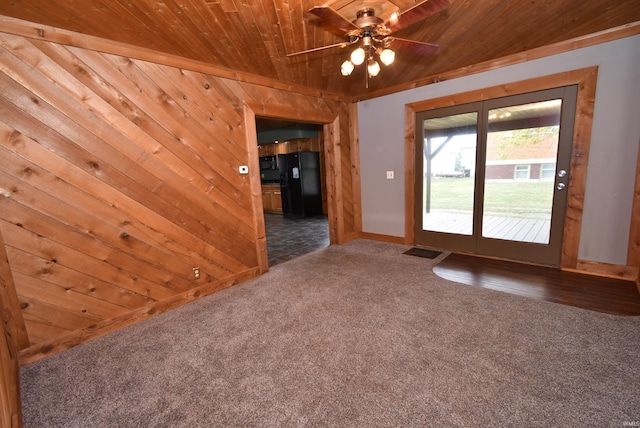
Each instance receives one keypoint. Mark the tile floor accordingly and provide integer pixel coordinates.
(289, 237)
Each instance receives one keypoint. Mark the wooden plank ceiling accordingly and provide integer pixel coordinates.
(255, 36)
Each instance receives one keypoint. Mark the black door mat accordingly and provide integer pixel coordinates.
(422, 252)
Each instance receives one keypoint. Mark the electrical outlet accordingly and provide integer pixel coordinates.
(196, 272)
(389, 175)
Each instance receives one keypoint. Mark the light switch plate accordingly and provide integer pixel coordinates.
(243, 169)
(389, 175)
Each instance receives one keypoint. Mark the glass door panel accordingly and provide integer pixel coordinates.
(449, 159)
(521, 153)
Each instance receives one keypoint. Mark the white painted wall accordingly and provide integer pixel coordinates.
(612, 158)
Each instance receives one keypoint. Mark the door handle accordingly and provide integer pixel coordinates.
(562, 173)
(560, 186)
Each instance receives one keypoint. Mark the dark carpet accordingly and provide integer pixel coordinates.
(356, 335)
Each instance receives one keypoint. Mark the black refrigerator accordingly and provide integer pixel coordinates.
(300, 183)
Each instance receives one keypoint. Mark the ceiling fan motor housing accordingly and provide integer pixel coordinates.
(366, 18)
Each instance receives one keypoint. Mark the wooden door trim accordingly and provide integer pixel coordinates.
(354, 139)
(633, 251)
(331, 132)
(13, 336)
(586, 79)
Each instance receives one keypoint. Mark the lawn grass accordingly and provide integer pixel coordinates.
(518, 198)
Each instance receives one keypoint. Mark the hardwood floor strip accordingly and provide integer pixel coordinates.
(607, 295)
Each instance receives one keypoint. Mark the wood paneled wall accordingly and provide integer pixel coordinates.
(120, 176)
(12, 334)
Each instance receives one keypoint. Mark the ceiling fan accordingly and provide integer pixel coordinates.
(374, 35)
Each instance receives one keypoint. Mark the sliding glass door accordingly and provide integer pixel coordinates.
(492, 176)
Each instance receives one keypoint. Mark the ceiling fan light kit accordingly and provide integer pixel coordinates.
(387, 56)
(373, 35)
(347, 68)
(357, 56)
(373, 68)
(367, 51)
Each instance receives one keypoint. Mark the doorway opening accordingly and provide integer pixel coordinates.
(290, 237)
(294, 191)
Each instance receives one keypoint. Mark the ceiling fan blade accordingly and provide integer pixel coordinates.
(416, 13)
(337, 45)
(333, 21)
(421, 48)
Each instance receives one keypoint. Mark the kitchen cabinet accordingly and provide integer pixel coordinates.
(272, 198)
(293, 146)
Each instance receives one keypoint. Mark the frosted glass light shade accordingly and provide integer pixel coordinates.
(346, 68)
(393, 20)
(357, 56)
(387, 56)
(373, 67)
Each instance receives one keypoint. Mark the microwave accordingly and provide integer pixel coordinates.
(268, 162)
